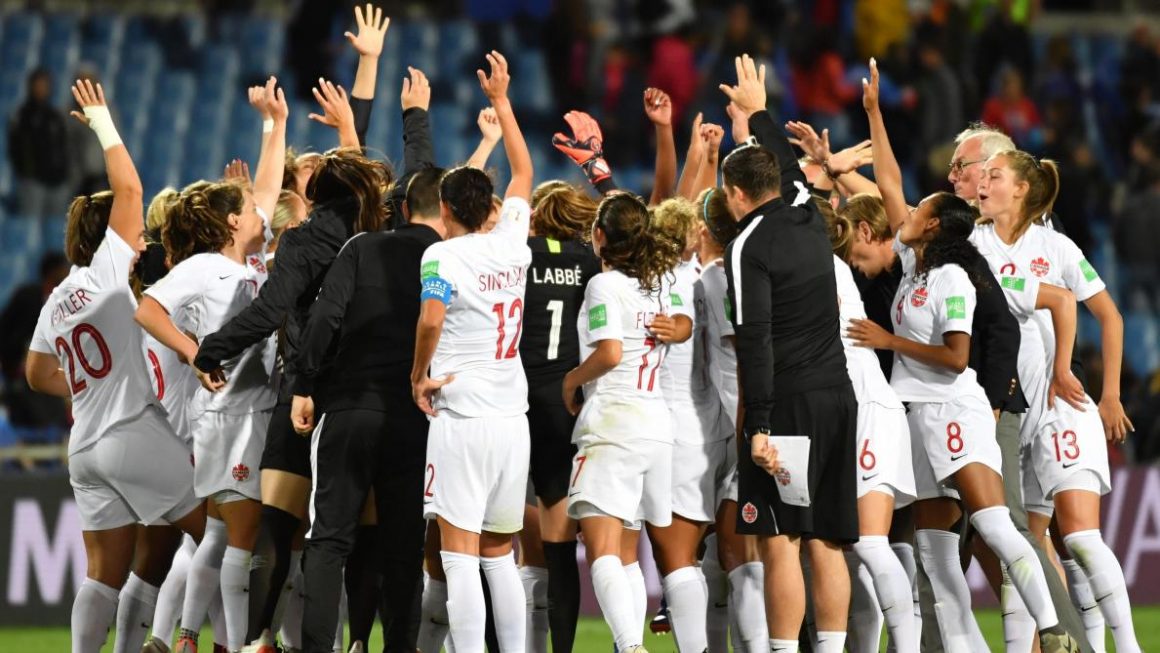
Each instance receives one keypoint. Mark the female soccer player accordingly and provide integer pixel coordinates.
(885, 475)
(126, 464)
(951, 424)
(210, 236)
(1065, 464)
(626, 324)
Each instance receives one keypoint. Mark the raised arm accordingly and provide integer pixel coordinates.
(490, 135)
(495, 86)
(126, 217)
(586, 149)
(693, 159)
(749, 97)
(372, 30)
(659, 109)
(336, 112)
(711, 136)
(418, 150)
(271, 163)
(840, 167)
(886, 171)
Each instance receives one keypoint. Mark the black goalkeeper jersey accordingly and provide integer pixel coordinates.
(559, 272)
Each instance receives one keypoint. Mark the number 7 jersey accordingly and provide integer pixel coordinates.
(482, 278)
(87, 323)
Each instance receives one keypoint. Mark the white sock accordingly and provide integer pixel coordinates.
(1018, 626)
(1084, 600)
(217, 620)
(615, 595)
(999, 532)
(688, 597)
(343, 615)
(830, 642)
(93, 612)
(865, 621)
(235, 595)
(288, 588)
(939, 552)
(1107, 582)
(718, 614)
(291, 628)
(905, 554)
(134, 614)
(508, 602)
(465, 606)
(204, 576)
(639, 594)
(172, 593)
(434, 625)
(535, 580)
(747, 596)
(783, 646)
(892, 587)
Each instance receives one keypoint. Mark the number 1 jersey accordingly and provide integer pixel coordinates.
(482, 278)
(87, 323)
(559, 272)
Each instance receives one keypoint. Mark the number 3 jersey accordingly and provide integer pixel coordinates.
(87, 323)
(629, 400)
(481, 279)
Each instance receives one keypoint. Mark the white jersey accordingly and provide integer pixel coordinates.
(870, 385)
(87, 323)
(482, 278)
(939, 302)
(685, 379)
(203, 293)
(173, 383)
(721, 356)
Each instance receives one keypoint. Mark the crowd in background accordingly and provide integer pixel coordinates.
(945, 62)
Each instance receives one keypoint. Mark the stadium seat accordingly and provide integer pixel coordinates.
(20, 234)
(262, 53)
(52, 232)
(1141, 342)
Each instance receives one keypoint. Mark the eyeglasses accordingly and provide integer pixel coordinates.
(957, 166)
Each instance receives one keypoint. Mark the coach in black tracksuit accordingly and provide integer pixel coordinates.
(792, 372)
(370, 433)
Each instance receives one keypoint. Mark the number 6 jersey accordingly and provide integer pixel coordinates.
(87, 323)
(481, 277)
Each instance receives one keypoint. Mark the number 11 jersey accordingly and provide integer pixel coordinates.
(482, 278)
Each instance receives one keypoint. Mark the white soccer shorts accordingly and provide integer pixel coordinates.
(884, 457)
(630, 480)
(1063, 451)
(948, 436)
(227, 453)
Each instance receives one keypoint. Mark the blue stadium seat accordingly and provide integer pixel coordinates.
(419, 46)
(15, 269)
(531, 83)
(204, 157)
(263, 39)
(52, 232)
(451, 119)
(107, 30)
(1141, 342)
(23, 28)
(20, 234)
(221, 60)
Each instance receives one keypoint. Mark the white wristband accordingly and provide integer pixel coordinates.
(267, 125)
(101, 122)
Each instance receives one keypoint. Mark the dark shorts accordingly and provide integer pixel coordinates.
(286, 450)
(552, 450)
(829, 418)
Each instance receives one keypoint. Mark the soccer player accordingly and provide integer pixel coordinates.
(215, 238)
(951, 424)
(467, 376)
(562, 264)
(626, 324)
(126, 464)
(1065, 466)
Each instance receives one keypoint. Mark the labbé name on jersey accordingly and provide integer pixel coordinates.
(71, 305)
(517, 276)
(558, 276)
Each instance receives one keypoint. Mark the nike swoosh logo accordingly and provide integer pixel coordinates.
(572, 494)
(954, 458)
(867, 478)
(1089, 608)
(721, 605)
(1070, 465)
(225, 277)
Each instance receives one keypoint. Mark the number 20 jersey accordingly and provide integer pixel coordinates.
(87, 323)
(482, 278)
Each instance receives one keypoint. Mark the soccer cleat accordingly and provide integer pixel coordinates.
(155, 645)
(264, 644)
(660, 623)
(1055, 640)
(635, 649)
(218, 648)
(186, 645)
(357, 647)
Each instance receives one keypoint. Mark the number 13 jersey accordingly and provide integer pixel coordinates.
(482, 278)
(87, 323)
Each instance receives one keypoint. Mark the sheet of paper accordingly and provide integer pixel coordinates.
(793, 454)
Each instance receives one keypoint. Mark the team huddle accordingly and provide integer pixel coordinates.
(333, 388)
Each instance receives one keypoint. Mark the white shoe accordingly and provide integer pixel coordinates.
(635, 649)
(155, 645)
(357, 647)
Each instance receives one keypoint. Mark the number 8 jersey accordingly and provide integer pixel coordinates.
(481, 277)
(87, 323)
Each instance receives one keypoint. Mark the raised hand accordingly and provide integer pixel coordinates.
(372, 29)
(749, 93)
(658, 107)
(495, 85)
(489, 127)
(711, 136)
(238, 170)
(87, 96)
(274, 101)
(257, 97)
(851, 158)
(416, 90)
(870, 88)
(585, 147)
(816, 147)
(739, 123)
(335, 106)
(696, 145)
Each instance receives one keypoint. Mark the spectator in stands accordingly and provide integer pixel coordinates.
(1084, 191)
(1136, 233)
(818, 78)
(86, 159)
(1003, 41)
(38, 150)
(28, 409)
(940, 95)
(1011, 110)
